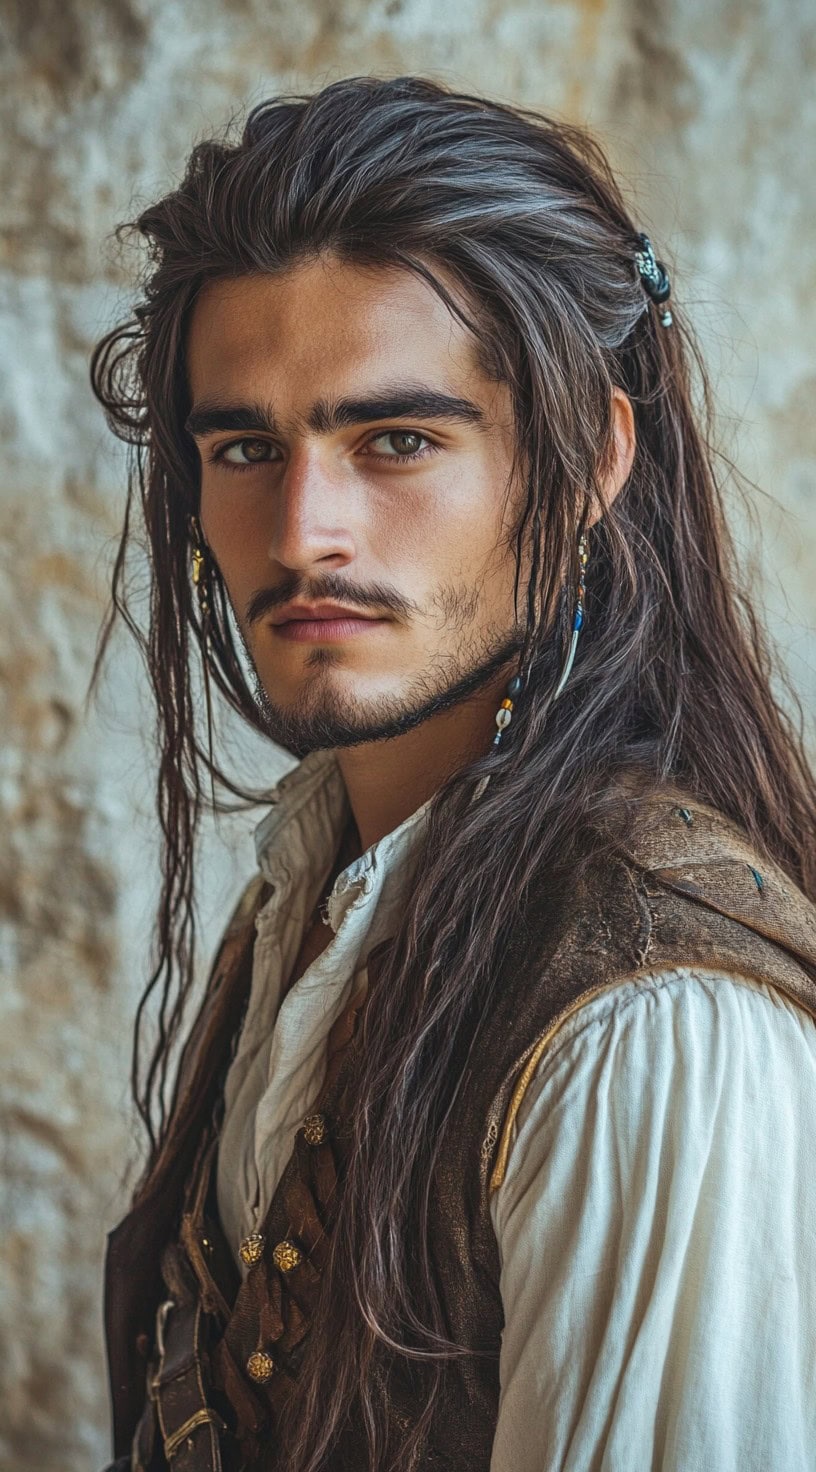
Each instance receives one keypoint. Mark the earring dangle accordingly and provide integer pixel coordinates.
(578, 617)
(504, 714)
(201, 583)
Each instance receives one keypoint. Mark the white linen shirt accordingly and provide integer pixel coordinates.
(656, 1225)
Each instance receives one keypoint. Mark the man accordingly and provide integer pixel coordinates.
(490, 1142)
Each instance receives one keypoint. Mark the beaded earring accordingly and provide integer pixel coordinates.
(578, 616)
(504, 714)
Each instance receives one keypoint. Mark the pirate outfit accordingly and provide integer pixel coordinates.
(619, 1216)
(623, 1217)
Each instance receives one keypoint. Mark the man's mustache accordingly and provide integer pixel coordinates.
(335, 589)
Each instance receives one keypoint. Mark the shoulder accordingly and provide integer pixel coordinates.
(694, 852)
(250, 901)
(671, 882)
(234, 947)
(238, 934)
(680, 1016)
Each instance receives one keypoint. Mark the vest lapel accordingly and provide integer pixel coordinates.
(133, 1283)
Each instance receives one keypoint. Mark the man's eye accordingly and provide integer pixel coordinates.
(246, 452)
(392, 444)
(401, 444)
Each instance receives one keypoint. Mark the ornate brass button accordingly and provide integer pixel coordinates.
(260, 1366)
(314, 1129)
(286, 1256)
(251, 1249)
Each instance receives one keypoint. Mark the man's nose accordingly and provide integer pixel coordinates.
(316, 511)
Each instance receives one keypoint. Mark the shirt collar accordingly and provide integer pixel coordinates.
(317, 781)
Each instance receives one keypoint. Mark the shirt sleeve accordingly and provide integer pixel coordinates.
(657, 1236)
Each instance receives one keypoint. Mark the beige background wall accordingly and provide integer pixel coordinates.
(708, 109)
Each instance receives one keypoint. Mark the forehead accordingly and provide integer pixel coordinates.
(326, 327)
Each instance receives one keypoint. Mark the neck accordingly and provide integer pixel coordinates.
(387, 781)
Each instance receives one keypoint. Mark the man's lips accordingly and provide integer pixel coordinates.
(320, 608)
(330, 628)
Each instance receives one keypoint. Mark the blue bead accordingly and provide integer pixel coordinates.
(578, 620)
(515, 686)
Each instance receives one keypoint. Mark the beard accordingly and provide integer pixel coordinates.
(325, 717)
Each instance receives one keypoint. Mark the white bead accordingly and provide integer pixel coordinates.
(503, 718)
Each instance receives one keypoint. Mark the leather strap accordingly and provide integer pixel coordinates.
(189, 1426)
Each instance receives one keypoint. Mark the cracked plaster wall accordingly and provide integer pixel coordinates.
(709, 112)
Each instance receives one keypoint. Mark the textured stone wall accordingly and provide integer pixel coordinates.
(708, 110)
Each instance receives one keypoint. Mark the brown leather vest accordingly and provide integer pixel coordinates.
(224, 1356)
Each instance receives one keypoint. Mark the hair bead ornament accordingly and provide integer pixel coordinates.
(654, 277)
(504, 714)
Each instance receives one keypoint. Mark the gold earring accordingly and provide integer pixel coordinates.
(201, 583)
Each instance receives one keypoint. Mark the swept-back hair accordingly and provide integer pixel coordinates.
(673, 680)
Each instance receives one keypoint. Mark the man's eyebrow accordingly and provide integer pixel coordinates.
(407, 401)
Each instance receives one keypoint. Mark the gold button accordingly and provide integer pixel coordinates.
(286, 1256)
(314, 1129)
(260, 1366)
(251, 1249)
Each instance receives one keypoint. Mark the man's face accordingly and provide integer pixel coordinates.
(353, 450)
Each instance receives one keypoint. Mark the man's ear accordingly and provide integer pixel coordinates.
(621, 455)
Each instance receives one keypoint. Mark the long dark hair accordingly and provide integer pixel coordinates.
(673, 680)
